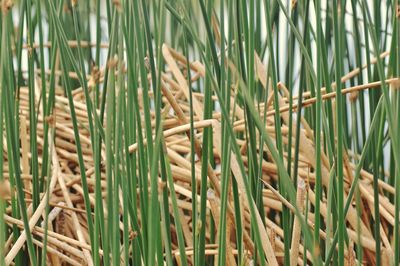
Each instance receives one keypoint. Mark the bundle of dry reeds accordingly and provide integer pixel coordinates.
(181, 134)
(67, 232)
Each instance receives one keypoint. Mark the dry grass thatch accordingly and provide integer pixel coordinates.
(68, 237)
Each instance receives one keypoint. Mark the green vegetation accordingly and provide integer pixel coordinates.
(199, 132)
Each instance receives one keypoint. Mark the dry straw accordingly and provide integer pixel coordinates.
(185, 133)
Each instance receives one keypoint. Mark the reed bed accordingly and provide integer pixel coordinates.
(197, 133)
